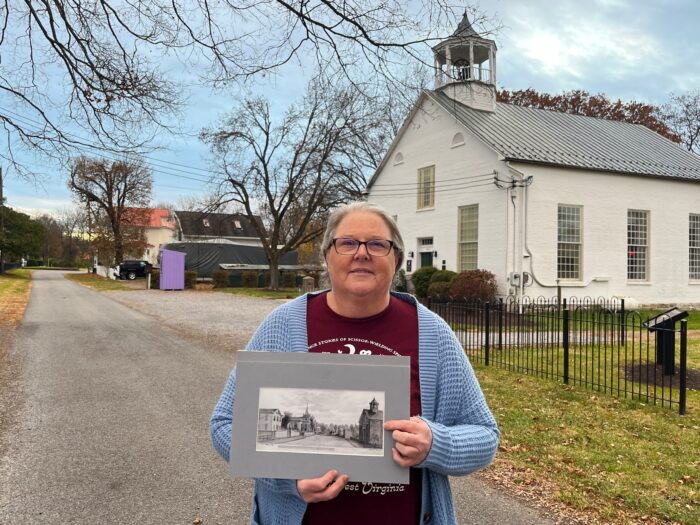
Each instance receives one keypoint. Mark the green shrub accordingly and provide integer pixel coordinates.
(190, 279)
(155, 279)
(421, 280)
(399, 284)
(443, 276)
(474, 284)
(439, 290)
(288, 280)
(220, 278)
(250, 279)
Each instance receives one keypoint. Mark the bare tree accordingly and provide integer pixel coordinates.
(291, 173)
(109, 54)
(52, 248)
(117, 197)
(113, 91)
(682, 115)
(71, 222)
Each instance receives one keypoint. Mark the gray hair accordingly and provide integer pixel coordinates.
(339, 214)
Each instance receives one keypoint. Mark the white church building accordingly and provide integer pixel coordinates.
(551, 203)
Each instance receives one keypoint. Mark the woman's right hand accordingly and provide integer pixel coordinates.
(324, 488)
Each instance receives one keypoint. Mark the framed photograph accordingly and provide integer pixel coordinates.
(297, 415)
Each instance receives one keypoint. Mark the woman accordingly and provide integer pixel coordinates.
(451, 432)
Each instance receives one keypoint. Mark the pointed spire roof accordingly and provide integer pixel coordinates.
(465, 29)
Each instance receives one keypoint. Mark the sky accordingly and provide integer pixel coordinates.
(640, 50)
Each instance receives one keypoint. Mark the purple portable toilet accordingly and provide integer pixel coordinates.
(172, 270)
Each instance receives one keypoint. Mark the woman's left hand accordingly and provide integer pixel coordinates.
(413, 440)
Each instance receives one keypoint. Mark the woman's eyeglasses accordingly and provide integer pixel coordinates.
(377, 247)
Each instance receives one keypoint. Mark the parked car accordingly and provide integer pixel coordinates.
(133, 269)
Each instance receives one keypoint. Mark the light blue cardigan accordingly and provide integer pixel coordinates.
(465, 435)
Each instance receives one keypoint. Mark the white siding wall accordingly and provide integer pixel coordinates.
(156, 237)
(605, 199)
(428, 141)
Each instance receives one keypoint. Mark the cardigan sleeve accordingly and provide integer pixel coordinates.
(465, 434)
(266, 337)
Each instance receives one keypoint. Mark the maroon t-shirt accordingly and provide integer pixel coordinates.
(391, 332)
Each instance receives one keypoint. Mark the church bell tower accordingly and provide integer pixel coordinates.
(465, 67)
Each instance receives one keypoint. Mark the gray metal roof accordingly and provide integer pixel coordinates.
(548, 137)
(219, 224)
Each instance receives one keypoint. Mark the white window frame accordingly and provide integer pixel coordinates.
(694, 246)
(565, 245)
(426, 188)
(638, 272)
(472, 241)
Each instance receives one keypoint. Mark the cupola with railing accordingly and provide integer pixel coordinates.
(465, 67)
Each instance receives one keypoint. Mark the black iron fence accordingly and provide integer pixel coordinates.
(594, 343)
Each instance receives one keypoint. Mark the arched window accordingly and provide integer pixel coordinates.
(457, 140)
(398, 158)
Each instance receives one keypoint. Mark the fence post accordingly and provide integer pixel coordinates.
(622, 321)
(565, 335)
(684, 359)
(487, 332)
(500, 323)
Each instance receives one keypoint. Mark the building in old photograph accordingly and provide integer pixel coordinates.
(304, 424)
(551, 203)
(269, 419)
(371, 425)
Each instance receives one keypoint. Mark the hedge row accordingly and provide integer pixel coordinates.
(446, 284)
(254, 279)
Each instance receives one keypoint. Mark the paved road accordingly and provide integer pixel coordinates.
(112, 423)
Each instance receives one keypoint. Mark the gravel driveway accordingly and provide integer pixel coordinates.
(216, 319)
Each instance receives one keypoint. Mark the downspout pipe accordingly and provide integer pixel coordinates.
(526, 181)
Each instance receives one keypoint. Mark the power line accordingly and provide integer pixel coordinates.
(436, 186)
(403, 196)
(156, 165)
(461, 178)
(442, 190)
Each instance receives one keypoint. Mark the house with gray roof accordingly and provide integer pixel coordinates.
(234, 228)
(551, 203)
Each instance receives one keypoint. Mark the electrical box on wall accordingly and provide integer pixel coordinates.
(514, 278)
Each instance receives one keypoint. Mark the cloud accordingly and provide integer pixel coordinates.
(576, 45)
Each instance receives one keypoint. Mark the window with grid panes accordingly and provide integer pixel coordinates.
(694, 246)
(637, 245)
(426, 187)
(569, 242)
(468, 237)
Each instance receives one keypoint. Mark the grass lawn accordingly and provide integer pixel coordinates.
(620, 461)
(693, 317)
(14, 293)
(286, 293)
(15, 287)
(97, 282)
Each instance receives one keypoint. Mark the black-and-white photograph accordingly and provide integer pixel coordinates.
(321, 421)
